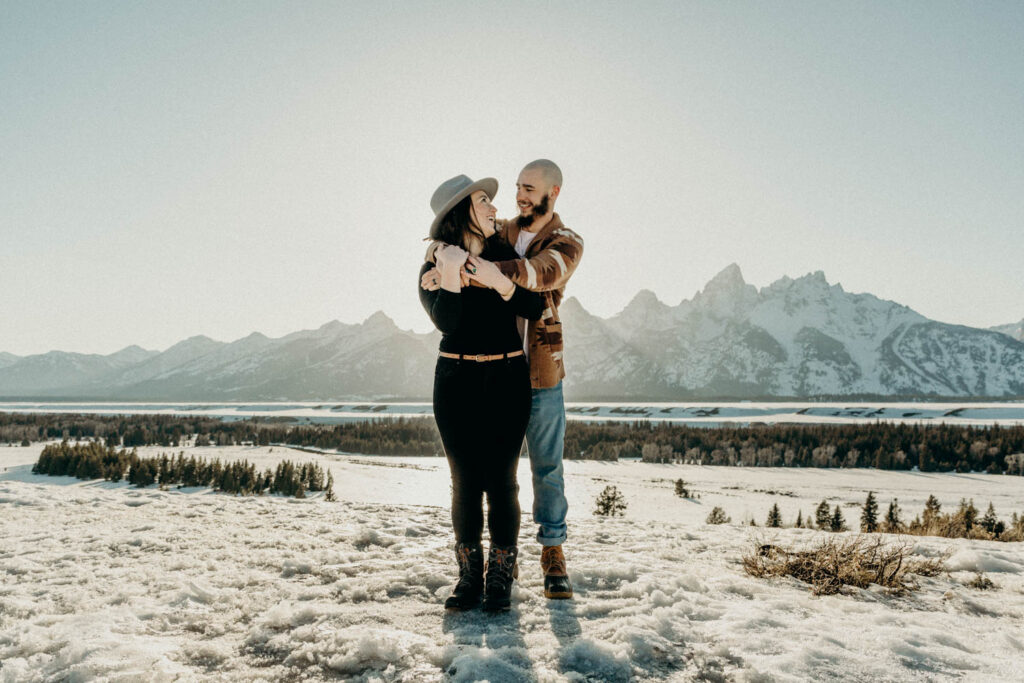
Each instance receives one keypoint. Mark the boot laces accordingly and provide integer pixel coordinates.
(553, 561)
(504, 564)
(467, 571)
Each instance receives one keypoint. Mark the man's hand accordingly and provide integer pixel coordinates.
(431, 280)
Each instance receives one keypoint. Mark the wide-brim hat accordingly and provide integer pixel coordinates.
(453, 191)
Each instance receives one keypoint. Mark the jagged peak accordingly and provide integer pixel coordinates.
(731, 276)
(725, 294)
(817, 277)
(379, 318)
(645, 298)
(573, 305)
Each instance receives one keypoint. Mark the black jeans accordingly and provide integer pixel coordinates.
(481, 411)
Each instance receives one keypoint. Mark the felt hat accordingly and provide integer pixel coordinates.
(453, 191)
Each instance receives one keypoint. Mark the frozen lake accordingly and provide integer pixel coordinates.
(698, 414)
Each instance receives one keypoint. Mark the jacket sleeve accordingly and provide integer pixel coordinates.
(443, 307)
(526, 304)
(551, 267)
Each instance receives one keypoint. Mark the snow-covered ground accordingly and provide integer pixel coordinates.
(103, 581)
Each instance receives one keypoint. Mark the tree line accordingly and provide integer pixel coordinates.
(400, 436)
(94, 460)
(882, 445)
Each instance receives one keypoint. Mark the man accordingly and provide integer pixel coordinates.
(549, 253)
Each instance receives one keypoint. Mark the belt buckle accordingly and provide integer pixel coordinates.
(478, 358)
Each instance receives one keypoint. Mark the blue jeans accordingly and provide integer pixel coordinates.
(545, 439)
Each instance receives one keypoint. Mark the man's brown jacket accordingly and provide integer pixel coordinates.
(550, 259)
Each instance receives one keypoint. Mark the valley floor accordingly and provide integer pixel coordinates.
(103, 581)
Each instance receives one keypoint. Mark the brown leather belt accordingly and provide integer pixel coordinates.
(481, 358)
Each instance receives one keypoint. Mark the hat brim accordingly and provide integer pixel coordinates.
(488, 185)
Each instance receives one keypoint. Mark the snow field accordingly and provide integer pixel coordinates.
(105, 582)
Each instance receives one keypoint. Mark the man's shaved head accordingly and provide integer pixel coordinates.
(552, 174)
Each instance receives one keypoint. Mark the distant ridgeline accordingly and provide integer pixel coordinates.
(882, 445)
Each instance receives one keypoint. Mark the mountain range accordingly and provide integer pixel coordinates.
(796, 338)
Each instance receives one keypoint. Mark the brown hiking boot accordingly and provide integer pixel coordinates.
(556, 577)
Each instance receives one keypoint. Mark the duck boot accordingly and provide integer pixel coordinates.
(556, 577)
(470, 588)
(502, 570)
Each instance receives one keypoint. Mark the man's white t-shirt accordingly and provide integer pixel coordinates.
(522, 242)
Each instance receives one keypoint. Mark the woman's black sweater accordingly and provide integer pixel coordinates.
(477, 320)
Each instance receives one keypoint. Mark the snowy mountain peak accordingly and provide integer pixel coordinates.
(730, 277)
(647, 300)
(573, 305)
(1014, 330)
(816, 280)
(644, 311)
(727, 294)
(379, 319)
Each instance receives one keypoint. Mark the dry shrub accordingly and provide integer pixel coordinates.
(833, 563)
(981, 582)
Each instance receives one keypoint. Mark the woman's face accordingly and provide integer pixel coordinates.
(482, 212)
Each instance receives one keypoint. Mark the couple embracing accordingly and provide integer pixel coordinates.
(493, 288)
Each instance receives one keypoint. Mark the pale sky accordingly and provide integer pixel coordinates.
(170, 169)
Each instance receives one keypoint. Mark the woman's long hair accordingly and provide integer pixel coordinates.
(457, 228)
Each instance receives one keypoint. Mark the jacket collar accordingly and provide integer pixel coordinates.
(513, 230)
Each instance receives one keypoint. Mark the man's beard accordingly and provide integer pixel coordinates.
(538, 211)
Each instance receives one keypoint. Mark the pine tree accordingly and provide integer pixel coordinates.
(774, 517)
(717, 516)
(967, 515)
(799, 519)
(869, 514)
(681, 489)
(836, 522)
(330, 487)
(932, 508)
(610, 502)
(822, 518)
(893, 523)
(990, 522)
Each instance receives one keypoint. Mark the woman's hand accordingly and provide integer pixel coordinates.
(487, 274)
(450, 260)
(450, 257)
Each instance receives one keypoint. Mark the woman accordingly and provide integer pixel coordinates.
(481, 386)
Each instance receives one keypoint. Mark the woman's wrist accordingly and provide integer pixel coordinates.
(506, 289)
(450, 279)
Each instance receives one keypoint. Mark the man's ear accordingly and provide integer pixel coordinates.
(555, 189)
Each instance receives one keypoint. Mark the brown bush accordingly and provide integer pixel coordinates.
(833, 563)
